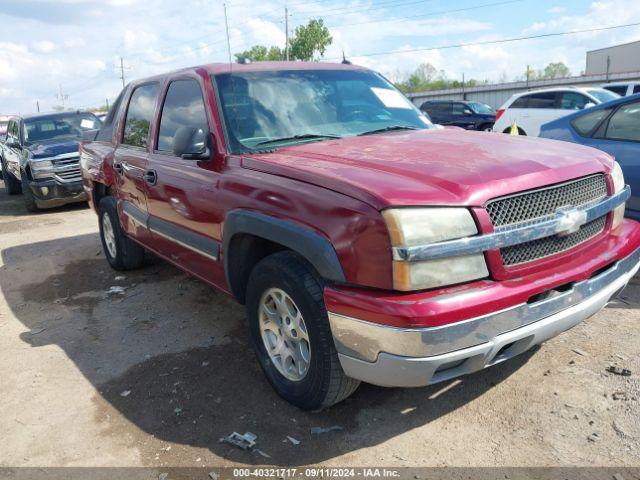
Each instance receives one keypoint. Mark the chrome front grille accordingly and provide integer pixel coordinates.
(538, 205)
(534, 206)
(68, 169)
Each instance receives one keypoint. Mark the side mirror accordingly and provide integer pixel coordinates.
(466, 111)
(192, 143)
(89, 135)
(589, 105)
(13, 144)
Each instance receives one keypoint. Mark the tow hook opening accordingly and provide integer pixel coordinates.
(552, 292)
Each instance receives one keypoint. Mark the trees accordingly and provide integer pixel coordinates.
(308, 42)
(260, 53)
(551, 71)
(427, 77)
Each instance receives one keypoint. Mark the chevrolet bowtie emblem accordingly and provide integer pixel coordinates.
(570, 221)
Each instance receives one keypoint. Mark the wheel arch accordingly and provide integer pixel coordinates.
(250, 236)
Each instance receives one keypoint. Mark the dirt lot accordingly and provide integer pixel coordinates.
(70, 352)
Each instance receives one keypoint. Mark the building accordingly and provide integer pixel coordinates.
(616, 59)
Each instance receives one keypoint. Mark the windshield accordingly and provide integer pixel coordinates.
(284, 107)
(481, 108)
(603, 95)
(60, 126)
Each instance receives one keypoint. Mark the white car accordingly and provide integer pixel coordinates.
(530, 110)
(623, 88)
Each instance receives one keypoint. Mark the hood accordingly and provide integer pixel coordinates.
(52, 149)
(432, 167)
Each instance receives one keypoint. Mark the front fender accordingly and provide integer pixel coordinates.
(316, 249)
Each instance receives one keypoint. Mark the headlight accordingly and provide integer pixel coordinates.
(618, 184)
(421, 226)
(41, 168)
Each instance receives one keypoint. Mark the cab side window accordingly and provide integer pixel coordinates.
(183, 107)
(139, 115)
(12, 131)
(625, 123)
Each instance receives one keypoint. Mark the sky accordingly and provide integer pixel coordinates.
(75, 46)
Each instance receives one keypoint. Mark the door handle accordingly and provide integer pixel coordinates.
(151, 177)
(117, 166)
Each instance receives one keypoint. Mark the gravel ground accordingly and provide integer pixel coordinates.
(154, 376)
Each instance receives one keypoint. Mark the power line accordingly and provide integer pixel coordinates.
(491, 42)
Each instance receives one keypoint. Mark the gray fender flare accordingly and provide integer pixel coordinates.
(316, 249)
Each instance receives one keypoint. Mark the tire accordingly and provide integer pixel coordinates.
(487, 127)
(323, 383)
(122, 253)
(11, 184)
(27, 195)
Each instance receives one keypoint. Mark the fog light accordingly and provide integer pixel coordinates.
(45, 191)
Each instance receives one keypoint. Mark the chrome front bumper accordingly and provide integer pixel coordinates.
(390, 356)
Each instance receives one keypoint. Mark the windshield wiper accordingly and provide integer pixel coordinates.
(390, 128)
(304, 136)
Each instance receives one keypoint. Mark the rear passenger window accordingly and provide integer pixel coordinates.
(183, 107)
(542, 100)
(586, 124)
(573, 101)
(636, 89)
(139, 115)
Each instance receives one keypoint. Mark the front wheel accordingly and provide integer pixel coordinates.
(291, 335)
(27, 195)
(122, 253)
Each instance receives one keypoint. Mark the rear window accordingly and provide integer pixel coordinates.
(636, 89)
(587, 123)
(619, 89)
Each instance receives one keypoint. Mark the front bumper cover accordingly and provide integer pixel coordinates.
(51, 193)
(390, 356)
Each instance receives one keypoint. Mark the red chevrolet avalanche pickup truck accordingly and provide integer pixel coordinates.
(366, 244)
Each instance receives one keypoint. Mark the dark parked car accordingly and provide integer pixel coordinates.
(468, 115)
(40, 157)
(613, 127)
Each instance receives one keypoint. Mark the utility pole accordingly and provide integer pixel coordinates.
(226, 26)
(122, 71)
(286, 33)
(464, 97)
(608, 66)
(528, 76)
(62, 96)
(107, 103)
(38, 106)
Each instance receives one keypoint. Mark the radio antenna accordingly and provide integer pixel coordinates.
(226, 26)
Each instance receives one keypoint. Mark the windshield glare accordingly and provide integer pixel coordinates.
(260, 107)
(603, 95)
(481, 108)
(58, 127)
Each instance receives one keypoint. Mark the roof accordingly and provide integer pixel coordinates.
(220, 68)
(32, 116)
(614, 46)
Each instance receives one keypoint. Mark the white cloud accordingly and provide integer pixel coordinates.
(43, 46)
